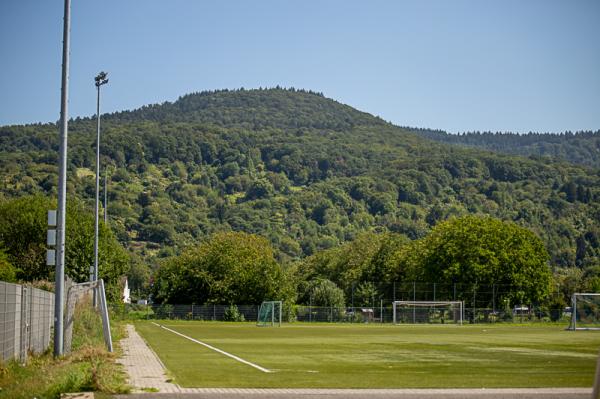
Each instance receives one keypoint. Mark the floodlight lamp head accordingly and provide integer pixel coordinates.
(101, 79)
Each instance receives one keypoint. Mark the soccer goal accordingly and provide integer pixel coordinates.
(75, 294)
(433, 312)
(269, 314)
(585, 312)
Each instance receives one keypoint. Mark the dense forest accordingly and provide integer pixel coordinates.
(581, 148)
(307, 173)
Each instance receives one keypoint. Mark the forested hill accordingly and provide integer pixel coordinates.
(302, 170)
(255, 109)
(582, 148)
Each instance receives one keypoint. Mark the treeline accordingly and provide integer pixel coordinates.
(307, 173)
(581, 148)
(460, 256)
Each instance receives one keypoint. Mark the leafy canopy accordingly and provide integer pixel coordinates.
(484, 251)
(230, 267)
(23, 226)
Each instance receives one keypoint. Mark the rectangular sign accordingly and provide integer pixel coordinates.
(51, 238)
(51, 257)
(52, 217)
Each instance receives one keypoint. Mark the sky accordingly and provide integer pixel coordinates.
(455, 65)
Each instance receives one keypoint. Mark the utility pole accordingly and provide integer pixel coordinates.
(62, 188)
(100, 80)
(105, 194)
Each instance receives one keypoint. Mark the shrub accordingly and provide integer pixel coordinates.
(232, 313)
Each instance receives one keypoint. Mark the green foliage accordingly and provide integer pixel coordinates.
(307, 173)
(164, 311)
(232, 313)
(322, 292)
(23, 233)
(369, 257)
(227, 268)
(138, 278)
(579, 148)
(485, 251)
(366, 293)
(8, 272)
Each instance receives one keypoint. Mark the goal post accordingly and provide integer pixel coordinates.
(432, 312)
(585, 311)
(75, 293)
(269, 314)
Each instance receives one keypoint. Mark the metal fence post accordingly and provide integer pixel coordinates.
(474, 291)
(414, 299)
(494, 298)
(23, 344)
(596, 391)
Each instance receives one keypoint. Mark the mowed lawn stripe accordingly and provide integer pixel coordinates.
(192, 365)
(375, 356)
(234, 357)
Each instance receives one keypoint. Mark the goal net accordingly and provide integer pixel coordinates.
(269, 314)
(585, 312)
(433, 312)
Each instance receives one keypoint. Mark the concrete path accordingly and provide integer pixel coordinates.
(146, 372)
(144, 368)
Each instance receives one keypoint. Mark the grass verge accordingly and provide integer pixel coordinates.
(89, 367)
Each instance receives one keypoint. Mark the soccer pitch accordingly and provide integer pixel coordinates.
(374, 356)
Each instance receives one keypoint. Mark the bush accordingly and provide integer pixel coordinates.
(8, 272)
(164, 311)
(232, 313)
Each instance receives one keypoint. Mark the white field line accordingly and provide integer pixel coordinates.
(239, 359)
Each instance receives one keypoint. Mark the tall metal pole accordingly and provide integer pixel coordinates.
(105, 193)
(100, 80)
(62, 189)
(94, 275)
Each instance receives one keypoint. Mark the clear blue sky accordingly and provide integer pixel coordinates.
(454, 65)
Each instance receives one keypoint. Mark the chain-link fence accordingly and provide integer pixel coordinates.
(199, 312)
(26, 316)
(382, 313)
(368, 301)
(497, 297)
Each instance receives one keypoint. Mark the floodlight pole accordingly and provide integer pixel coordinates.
(62, 189)
(100, 80)
(105, 193)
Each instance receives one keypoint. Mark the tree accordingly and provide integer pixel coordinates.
(366, 293)
(321, 292)
(23, 225)
(231, 267)
(138, 277)
(483, 251)
(369, 257)
(7, 271)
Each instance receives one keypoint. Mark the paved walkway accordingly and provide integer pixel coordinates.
(147, 372)
(144, 368)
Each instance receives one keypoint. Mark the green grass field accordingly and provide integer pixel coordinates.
(376, 356)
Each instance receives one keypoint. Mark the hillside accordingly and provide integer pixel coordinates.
(581, 148)
(302, 170)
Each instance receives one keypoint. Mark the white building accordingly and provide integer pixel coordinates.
(126, 293)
